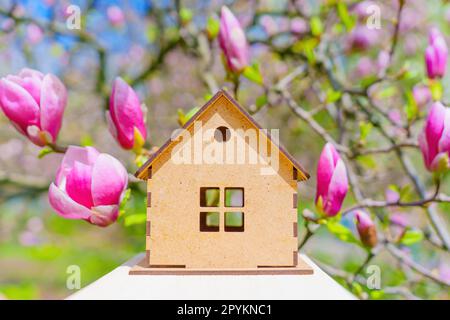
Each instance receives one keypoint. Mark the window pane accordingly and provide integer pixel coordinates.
(234, 221)
(209, 221)
(209, 197)
(234, 197)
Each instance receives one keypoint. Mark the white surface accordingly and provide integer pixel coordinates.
(119, 285)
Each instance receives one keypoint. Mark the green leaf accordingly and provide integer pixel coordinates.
(411, 108)
(86, 140)
(364, 130)
(368, 161)
(133, 219)
(212, 28)
(140, 160)
(347, 20)
(377, 294)
(341, 232)
(387, 92)
(253, 74)
(306, 47)
(261, 101)
(436, 90)
(185, 15)
(411, 236)
(124, 202)
(184, 117)
(333, 96)
(316, 26)
(44, 151)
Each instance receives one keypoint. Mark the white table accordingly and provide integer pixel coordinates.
(119, 285)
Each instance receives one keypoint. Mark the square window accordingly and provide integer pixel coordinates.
(209, 221)
(209, 197)
(234, 221)
(234, 197)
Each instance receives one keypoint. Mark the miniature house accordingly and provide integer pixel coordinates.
(212, 208)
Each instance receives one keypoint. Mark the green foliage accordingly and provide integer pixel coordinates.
(212, 28)
(436, 90)
(184, 117)
(341, 232)
(316, 26)
(348, 20)
(44, 151)
(123, 203)
(364, 130)
(186, 15)
(133, 219)
(411, 237)
(333, 96)
(253, 73)
(86, 140)
(261, 101)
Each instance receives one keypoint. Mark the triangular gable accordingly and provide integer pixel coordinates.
(142, 172)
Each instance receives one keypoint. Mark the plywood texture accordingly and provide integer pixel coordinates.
(141, 268)
(175, 239)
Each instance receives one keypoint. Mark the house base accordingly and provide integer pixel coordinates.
(141, 268)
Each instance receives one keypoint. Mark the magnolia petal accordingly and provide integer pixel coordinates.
(434, 128)
(79, 182)
(325, 169)
(31, 80)
(430, 62)
(37, 136)
(85, 155)
(65, 206)
(111, 126)
(126, 113)
(363, 220)
(441, 52)
(103, 216)
(424, 148)
(441, 162)
(337, 190)
(444, 142)
(109, 180)
(53, 103)
(18, 105)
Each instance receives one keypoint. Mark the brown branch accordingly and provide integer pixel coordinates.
(313, 124)
(404, 258)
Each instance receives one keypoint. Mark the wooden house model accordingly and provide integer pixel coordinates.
(210, 217)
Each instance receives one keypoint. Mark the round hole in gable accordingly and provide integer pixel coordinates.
(222, 134)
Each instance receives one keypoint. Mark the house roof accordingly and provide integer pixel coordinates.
(141, 173)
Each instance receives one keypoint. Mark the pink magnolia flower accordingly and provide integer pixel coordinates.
(365, 67)
(362, 38)
(421, 95)
(115, 15)
(436, 54)
(332, 184)
(366, 229)
(34, 34)
(232, 41)
(126, 120)
(89, 185)
(34, 103)
(383, 61)
(434, 140)
(269, 24)
(299, 25)
(363, 9)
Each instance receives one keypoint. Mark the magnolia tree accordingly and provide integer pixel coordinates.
(351, 76)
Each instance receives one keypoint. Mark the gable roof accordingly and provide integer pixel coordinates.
(141, 173)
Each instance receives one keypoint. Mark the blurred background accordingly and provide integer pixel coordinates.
(162, 49)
